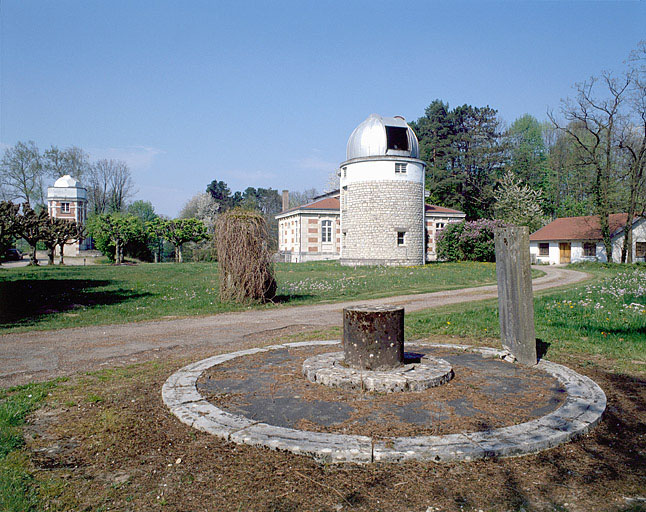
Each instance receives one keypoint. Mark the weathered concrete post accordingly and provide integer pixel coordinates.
(373, 337)
(515, 295)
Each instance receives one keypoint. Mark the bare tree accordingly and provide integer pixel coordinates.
(121, 185)
(632, 141)
(109, 186)
(73, 161)
(21, 173)
(599, 114)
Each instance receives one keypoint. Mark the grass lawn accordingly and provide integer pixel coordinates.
(604, 317)
(59, 297)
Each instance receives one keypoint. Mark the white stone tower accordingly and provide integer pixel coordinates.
(67, 199)
(382, 195)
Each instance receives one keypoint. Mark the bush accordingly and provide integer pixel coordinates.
(468, 241)
(244, 257)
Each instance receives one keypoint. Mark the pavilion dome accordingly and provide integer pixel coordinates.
(66, 182)
(382, 136)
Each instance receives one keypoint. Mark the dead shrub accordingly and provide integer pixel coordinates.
(244, 259)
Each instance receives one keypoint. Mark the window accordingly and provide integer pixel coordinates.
(326, 231)
(400, 237)
(65, 207)
(400, 168)
(640, 249)
(397, 138)
(589, 249)
(345, 172)
(544, 249)
(439, 225)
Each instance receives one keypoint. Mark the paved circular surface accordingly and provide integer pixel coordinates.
(426, 372)
(580, 411)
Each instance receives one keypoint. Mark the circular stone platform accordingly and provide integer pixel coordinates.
(578, 410)
(419, 372)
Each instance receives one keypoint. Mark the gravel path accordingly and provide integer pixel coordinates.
(42, 355)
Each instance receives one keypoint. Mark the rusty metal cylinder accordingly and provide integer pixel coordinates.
(373, 337)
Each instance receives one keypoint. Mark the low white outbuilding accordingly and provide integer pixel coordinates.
(573, 239)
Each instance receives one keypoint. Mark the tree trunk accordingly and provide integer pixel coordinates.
(33, 260)
(62, 248)
(50, 254)
(180, 258)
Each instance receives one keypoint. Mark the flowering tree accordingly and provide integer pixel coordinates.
(518, 204)
(469, 240)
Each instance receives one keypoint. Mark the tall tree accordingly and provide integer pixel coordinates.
(527, 152)
(21, 173)
(142, 209)
(221, 193)
(596, 110)
(632, 143)
(109, 185)
(73, 161)
(464, 151)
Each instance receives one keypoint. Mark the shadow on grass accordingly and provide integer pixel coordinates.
(30, 301)
(284, 299)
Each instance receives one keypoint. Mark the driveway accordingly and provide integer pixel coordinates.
(42, 355)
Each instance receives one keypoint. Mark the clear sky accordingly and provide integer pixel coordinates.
(267, 93)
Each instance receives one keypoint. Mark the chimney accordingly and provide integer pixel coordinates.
(285, 200)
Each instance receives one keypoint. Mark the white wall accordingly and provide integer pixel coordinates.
(639, 235)
(380, 170)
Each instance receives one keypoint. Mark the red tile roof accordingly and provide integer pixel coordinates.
(431, 208)
(578, 228)
(333, 203)
(327, 203)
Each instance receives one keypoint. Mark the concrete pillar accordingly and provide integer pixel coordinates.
(515, 295)
(373, 337)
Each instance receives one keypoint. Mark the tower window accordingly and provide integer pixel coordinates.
(326, 231)
(345, 172)
(65, 207)
(400, 168)
(401, 237)
(397, 138)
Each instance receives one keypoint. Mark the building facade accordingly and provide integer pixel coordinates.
(312, 232)
(574, 239)
(67, 199)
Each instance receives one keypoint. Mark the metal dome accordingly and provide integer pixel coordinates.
(381, 136)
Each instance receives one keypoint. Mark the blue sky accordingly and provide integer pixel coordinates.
(267, 93)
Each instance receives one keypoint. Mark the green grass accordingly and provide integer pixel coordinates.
(17, 490)
(605, 316)
(69, 296)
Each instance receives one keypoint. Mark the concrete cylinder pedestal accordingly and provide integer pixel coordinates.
(373, 337)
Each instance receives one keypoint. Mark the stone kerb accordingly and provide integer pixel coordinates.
(582, 410)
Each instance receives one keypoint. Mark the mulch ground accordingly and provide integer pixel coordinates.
(107, 442)
(484, 394)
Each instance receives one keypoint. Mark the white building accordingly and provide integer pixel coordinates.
(67, 199)
(312, 232)
(573, 239)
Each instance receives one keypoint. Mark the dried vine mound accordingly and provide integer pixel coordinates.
(246, 270)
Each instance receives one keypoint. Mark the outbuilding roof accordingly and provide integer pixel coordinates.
(431, 208)
(579, 228)
(334, 206)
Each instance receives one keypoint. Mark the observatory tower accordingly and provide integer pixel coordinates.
(382, 195)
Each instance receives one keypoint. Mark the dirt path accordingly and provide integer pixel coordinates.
(42, 355)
